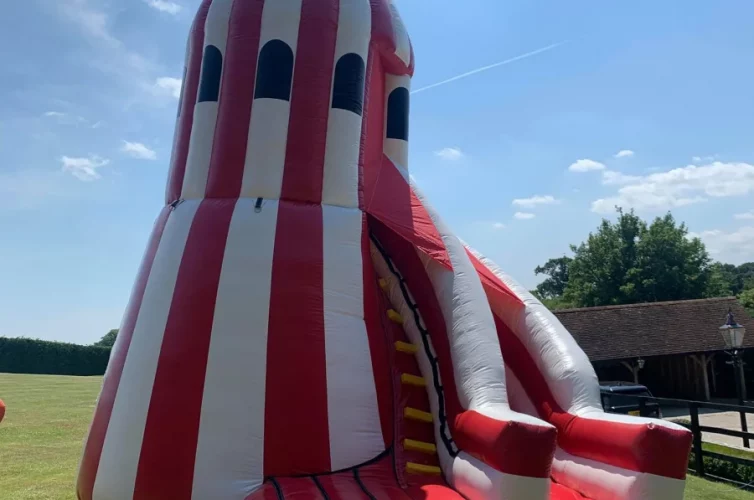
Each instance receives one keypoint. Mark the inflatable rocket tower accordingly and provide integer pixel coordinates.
(305, 326)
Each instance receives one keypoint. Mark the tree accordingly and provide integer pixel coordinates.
(669, 265)
(553, 303)
(727, 279)
(555, 284)
(744, 277)
(747, 300)
(630, 261)
(721, 280)
(603, 270)
(108, 340)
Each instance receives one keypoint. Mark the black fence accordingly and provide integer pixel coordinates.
(733, 472)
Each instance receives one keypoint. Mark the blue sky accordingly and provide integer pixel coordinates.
(521, 159)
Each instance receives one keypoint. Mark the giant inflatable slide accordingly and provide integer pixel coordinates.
(305, 326)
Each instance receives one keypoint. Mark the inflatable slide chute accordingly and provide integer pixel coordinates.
(304, 325)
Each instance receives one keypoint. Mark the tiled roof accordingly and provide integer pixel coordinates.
(654, 329)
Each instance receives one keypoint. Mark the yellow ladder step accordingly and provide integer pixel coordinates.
(383, 284)
(408, 379)
(414, 414)
(406, 347)
(413, 468)
(411, 444)
(394, 316)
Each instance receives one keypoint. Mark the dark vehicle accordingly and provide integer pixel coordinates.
(621, 397)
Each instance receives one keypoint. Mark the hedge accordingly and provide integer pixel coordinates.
(726, 470)
(22, 355)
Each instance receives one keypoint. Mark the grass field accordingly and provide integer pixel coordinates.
(727, 450)
(42, 435)
(698, 489)
(47, 418)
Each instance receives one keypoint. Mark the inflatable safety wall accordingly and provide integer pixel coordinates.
(305, 326)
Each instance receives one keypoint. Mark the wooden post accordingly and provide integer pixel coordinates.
(688, 376)
(633, 369)
(678, 369)
(702, 360)
(698, 457)
(742, 378)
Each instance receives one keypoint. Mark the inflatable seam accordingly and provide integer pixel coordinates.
(278, 490)
(362, 485)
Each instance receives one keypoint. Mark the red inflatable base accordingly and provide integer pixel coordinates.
(560, 492)
(372, 481)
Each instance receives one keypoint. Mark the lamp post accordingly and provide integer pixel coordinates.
(733, 336)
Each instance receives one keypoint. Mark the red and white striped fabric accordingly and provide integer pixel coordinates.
(600, 455)
(264, 98)
(245, 351)
(253, 351)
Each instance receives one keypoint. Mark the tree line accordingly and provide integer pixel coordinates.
(631, 261)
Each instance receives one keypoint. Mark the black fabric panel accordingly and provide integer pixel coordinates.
(397, 114)
(348, 89)
(274, 71)
(212, 69)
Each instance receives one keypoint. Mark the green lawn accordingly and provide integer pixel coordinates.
(698, 489)
(47, 418)
(41, 437)
(727, 450)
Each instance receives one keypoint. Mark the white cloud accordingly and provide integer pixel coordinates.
(108, 53)
(489, 225)
(586, 165)
(84, 169)
(535, 200)
(745, 216)
(169, 84)
(699, 159)
(523, 215)
(138, 150)
(736, 246)
(612, 178)
(65, 118)
(94, 23)
(623, 153)
(164, 6)
(680, 187)
(450, 154)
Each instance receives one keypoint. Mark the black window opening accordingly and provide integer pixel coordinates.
(274, 71)
(348, 88)
(212, 68)
(397, 114)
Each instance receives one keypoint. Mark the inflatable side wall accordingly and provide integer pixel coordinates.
(600, 455)
(303, 323)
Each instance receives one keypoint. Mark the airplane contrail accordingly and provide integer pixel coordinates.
(491, 66)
